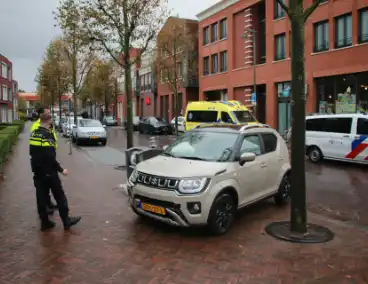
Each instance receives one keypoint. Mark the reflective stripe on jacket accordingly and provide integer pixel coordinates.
(35, 126)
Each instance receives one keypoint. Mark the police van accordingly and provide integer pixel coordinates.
(341, 137)
(216, 112)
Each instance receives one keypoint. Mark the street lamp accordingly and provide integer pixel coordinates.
(247, 34)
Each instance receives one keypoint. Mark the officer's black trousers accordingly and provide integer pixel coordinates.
(43, 184)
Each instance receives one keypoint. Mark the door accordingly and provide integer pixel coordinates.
(252, 175)
(360, 144)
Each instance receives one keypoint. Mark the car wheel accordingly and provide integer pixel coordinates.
(222, 214)
(73, 139)
(77, 141)
(104, 142)
(314, 154)
(283, 194)
(140, 130)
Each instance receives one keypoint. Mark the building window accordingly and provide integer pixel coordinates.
(5, 93)
(279, 11)
(10, 94)
(4, 70)
(363, 25)
(223, 29)
(223, 61)
(214, 30)
(214, 59)
(206, 66)
(321, 36)
(206, 35)
(343, 31)
(280, 42)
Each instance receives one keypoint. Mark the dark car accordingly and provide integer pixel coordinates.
(109, 121)
(154, 125)
(136, 120)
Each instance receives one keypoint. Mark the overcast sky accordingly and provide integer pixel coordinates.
(27, 26)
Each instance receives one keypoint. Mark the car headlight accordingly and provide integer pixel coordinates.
(195, 185)
(133, 177)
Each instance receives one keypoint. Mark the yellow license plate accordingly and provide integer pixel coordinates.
(154, 209)
(94, 137)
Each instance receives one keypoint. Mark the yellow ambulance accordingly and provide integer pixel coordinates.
(216, 112)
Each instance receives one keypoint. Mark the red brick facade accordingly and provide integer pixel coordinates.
(238, 78)
(6, 82)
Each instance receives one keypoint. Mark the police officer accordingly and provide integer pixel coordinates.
(45, 168)
(51, 206)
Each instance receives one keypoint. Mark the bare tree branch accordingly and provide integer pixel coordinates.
(285, 7)
(310, 9)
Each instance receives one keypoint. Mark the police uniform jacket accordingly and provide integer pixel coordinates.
(37, 123)
(43, 153)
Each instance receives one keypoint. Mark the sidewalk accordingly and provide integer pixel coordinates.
(111, 245)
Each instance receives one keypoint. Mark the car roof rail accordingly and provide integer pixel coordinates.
(253, 125)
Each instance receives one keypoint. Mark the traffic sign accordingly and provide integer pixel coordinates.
(254, 98)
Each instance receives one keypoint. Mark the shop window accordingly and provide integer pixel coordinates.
(362, 94)
(363, 25)
(284, 106)
(346, 94)
(343, 31)
(325, 95)
(280, 47)
(362, 126)
(321, 36)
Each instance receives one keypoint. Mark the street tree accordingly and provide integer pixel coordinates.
(78, 46)
(118, 26)
(53, 75)
(175, 56)
(22, 105)
(298, 15)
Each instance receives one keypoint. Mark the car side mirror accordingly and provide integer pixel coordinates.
(165, 147)
(74, 126)
(247, 157)
(104, 126)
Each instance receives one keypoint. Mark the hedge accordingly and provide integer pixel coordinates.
(8, 136)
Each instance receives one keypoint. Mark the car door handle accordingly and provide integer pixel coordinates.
(263, 165)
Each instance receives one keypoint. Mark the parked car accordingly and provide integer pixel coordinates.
(154, 125)
(342, 137)
(181, 124)
(59, 122)
(89, 130)
(109, 121)
(68, 125)
(209, 173)
(136, 120)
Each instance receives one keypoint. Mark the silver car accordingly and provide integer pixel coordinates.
(89, 130)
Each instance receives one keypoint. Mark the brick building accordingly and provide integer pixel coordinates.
(188, 72)
(8, 87)
(336, 61)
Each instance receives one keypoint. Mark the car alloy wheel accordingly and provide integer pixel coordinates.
(283, 194)
(222, 214)
(314, 154)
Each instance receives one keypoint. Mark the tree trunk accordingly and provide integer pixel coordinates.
(175, 92)
(129, 105)
(60, 96)
(298, 181)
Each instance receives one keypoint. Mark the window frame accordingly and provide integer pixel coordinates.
(214, 32)
(206, 59)
(345, 43)
(361, 37)
(279, 12)
(223, 29)
(222, 53)
(264, 143)
(283, 56)
(213, 71)
(325, 45)
(206, 36)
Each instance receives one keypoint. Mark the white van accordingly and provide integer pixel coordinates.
(337, 137)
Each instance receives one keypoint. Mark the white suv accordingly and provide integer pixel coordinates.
(210, 172)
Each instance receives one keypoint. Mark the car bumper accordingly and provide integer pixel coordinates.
(90, 139)
(176, 207)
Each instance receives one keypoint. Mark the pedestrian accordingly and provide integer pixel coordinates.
(46, 171)
(50, 205)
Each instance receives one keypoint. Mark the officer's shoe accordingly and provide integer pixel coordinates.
(71, 222)
(47, 225)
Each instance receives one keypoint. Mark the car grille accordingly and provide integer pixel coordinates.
(157, 181)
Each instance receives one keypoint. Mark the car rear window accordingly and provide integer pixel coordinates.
(206, 116)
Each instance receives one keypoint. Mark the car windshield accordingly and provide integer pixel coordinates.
(89, 123)
(244, 116)
(199, 145)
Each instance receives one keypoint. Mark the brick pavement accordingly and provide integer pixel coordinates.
(111, 245)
